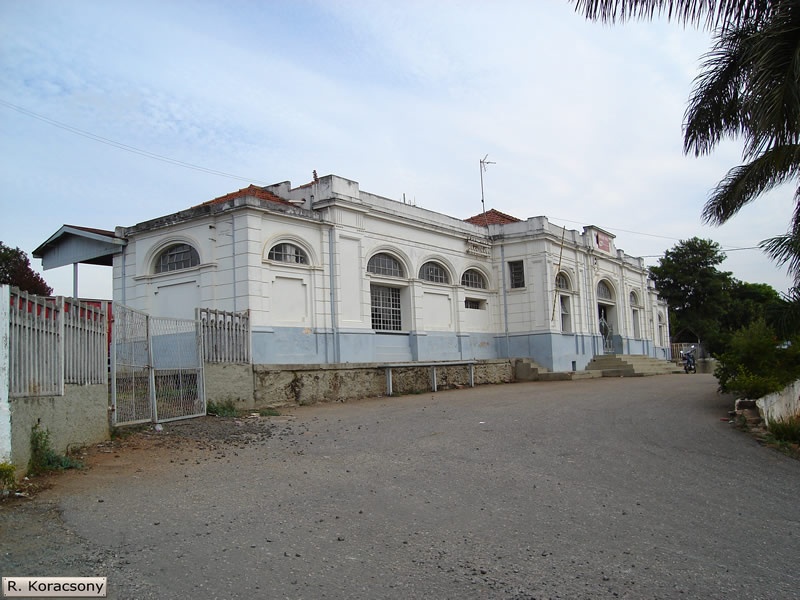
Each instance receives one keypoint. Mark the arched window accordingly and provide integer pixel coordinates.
(564, 301)
(385, 264)
(434, 272)
(288, 253)
(634, 299)
(472, 278)
(386, 301)
(604, 291)
(176, 257)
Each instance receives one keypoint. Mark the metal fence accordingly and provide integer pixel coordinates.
(678, 348)
(226, 335)
(157, 368)
(85, 341)
(53, 341)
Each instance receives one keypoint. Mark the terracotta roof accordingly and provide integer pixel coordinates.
(251, 190)
(492, 217)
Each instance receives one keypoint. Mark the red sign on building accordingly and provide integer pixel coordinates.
(603, 241)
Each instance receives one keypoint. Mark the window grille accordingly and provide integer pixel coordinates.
(562, 282)
(385, 264)
(179, 256)
(386, 314)
(434, 272)
(604, 292)
(473, 304)
(517, 273)
(473, 279)
(288, 253)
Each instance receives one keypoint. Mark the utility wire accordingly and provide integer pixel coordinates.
(663, 237)
(126, 147)
(180, 163)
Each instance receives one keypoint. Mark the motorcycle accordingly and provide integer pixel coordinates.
(689, 361)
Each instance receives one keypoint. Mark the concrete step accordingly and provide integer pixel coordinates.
(630, 365)
(527, 370)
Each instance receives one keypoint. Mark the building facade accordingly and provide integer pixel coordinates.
(332, 274)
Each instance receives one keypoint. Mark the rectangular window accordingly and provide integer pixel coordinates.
(386, 314)
(474, 304)
(516, 270)
(637, 334)
(566, 321)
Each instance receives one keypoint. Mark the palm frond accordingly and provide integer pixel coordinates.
(772, 90)
(709, 14)
(785, 249)
(715, 106)
(744, 183)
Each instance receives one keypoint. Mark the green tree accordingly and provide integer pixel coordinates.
(750, 302)
(696, 291)
(15, 269)
(749, 88)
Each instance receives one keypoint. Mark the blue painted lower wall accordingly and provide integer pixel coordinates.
(554, 351)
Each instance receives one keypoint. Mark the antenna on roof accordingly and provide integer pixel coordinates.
(483, 163)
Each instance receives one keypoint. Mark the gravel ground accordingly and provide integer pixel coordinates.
(34, 541)
(614, 488)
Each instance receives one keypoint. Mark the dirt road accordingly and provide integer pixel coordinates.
(613, 488)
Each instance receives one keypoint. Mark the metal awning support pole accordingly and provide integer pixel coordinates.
(75, 280)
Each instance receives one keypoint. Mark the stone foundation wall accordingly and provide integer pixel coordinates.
(253, 387)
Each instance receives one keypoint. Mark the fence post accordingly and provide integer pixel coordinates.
(61, 329)
(151, 372)
(5, 407)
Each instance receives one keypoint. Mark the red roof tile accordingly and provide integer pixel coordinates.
(492, 217)
(251, 190)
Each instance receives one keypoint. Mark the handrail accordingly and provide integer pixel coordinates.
(432, 365)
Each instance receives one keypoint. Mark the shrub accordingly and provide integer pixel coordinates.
(787, 430)
(44, 458)
(222, 409)
(756, 363)
(7, 477)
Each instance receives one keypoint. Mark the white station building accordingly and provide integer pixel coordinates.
(331, 274)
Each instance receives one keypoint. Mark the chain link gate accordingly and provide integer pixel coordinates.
(156, 368)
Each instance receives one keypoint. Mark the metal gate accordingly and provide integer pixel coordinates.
(156, 368)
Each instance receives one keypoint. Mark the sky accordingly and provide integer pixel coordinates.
(113, 113)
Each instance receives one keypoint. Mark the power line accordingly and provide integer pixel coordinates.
(180, 163)
(653, 235)
(723, 249)
(126, 147)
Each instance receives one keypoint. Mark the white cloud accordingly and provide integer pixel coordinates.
(582, 120)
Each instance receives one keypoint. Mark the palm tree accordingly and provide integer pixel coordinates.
(748, 87)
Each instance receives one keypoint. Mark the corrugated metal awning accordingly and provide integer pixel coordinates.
(73, 244)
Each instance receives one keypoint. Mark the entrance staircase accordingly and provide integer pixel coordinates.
(631, 365)
(605, 365)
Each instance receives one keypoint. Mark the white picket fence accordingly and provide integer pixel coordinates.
(226, 335)
(54, 341)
